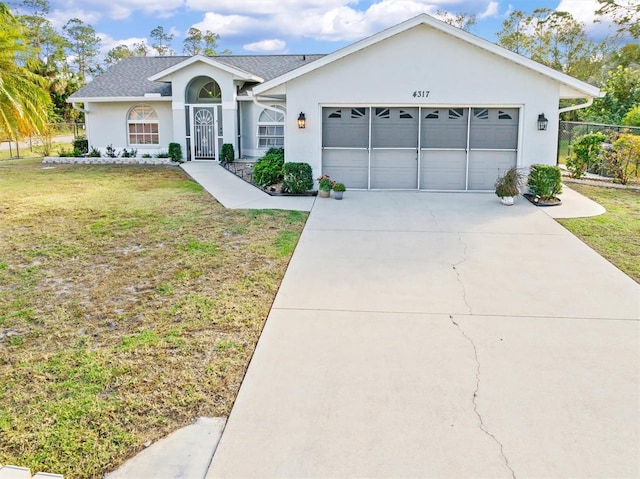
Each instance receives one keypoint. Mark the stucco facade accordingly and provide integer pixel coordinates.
(419, 69)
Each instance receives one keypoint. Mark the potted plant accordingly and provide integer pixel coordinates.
(545, 183)
(508, 186)
(338, 190)
(324, 186)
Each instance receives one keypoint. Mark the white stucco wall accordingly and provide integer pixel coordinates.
(250, 114)
(454, 72)
(107, 125)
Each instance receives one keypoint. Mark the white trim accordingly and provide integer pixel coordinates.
(112, 99)
(240, 74)
(424, 19)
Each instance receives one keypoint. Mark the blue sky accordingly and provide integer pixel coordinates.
(289, 26)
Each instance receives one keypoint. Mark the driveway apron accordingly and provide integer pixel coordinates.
(441, 335)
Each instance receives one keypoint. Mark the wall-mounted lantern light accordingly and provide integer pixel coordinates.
(542, 122)
(302, 121)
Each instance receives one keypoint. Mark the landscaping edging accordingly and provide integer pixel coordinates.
(107, 161)
(602, 183)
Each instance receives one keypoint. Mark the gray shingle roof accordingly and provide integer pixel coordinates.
(128, 78)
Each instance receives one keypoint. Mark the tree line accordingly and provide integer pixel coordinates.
(41, 66)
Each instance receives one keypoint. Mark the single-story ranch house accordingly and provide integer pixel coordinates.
(422, 105)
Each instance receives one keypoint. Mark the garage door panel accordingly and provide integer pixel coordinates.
(394, 169)
(486, 166)
(394, 128)
(345, 127)
(350, 167)
(443, 170)
(444, 128)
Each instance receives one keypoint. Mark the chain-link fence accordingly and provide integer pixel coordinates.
(54, 134)
(572, 129)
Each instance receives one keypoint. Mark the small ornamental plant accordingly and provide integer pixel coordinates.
(325, 183)
(339, 187)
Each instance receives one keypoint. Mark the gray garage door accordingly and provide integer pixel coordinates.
(448, 148)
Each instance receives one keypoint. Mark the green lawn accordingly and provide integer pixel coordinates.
(130, 304)
(615, 234)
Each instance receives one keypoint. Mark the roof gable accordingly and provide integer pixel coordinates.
(581, 88)
(240, 74)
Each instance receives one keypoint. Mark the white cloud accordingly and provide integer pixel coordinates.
(266, 7)
(273, 45)
(119, 9)
(58, 17)
(229, 25)
(491, 11)
(108, 42)
(584, 11)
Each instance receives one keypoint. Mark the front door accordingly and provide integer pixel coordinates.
(206, 126)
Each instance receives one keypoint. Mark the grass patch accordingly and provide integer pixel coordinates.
(130, 304)
(616, 234)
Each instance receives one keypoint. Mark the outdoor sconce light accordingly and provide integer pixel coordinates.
(542, 122)
(302, 121)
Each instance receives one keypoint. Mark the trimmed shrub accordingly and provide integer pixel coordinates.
(227, 154)
(585, 152)
(298, 178)
(175, 152)
(545, 181)
(268, 170)
(81, 144)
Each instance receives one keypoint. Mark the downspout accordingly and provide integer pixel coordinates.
(262, 105)
(76, 107)
(579, 106)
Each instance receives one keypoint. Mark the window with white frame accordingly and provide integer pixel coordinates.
(271, 128)
(142, 125)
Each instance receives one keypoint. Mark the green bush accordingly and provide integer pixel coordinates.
(632, 118)
(81, 144)
(64, 153)
(545, 181)
(111, 152)
(129, 154)
(585, 153)
(624, 157)
(94, 153)
(268, 170)
(227, 154)
(298, 178)
(175, 152)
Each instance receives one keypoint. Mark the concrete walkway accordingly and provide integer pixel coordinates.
(441, 335)
(234, 193)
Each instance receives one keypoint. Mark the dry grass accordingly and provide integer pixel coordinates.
(130, 304)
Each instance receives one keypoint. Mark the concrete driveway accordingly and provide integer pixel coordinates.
(441, 335)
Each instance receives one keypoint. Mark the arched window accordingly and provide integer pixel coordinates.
(142, 125)
(210, 92)
(271, 128)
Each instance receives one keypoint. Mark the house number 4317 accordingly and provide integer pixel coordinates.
(421, 94)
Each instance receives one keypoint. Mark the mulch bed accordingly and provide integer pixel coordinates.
(536, 200)
(244, 171)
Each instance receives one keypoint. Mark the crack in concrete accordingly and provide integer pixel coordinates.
(459, 279)
(483, 427)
